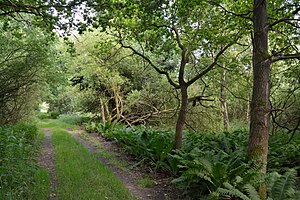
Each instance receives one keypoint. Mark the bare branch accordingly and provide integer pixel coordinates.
(199, 98)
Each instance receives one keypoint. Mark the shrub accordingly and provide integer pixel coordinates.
(17, 167)
(54, 114)
(75, 119)
(42, 116)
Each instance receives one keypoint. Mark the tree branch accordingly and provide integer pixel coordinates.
(175, 85)
(244, 15)
(285, 19)
(279, 57)
(178, 39)
(198, 99)
(210, 67)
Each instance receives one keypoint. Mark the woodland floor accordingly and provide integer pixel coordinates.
(129, 171)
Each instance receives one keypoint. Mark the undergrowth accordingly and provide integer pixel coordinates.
(18, 146)
(210, 165)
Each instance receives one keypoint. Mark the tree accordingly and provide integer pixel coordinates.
(187, 37)
(114, 84)
(262, 60)
(26, 59)
(48, 15)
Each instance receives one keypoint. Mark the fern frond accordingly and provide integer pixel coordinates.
(230, 191)
(271, 179)
(200, 174)
(205, 164)
(282, 187)
(252, 192)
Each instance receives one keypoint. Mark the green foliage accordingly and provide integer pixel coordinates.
(209, 160)
(92, 127)
(148, 145)
(54, 115)
(17, 167)
(284, 154)
(41, 188)
(285, 186)
(26, 58)
(280, 187)
(75, 119)
(100, 127)
(42, 115)
(213, 164)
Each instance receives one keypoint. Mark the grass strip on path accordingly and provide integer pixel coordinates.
(41, 189)
(80, 174)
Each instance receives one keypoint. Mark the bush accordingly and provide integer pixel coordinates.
(75, 119)
(148, 145)
(50, 115)
(54, 114)
(42, 116)
(17, 167)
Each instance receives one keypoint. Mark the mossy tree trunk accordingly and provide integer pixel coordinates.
(181, 117)
(260, 105)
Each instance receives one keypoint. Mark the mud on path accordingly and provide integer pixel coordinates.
(160, 191)
(46, 160)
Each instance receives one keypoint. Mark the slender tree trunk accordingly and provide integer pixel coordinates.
(248, 108)
(102, 111)
(181, 117)
(223, 100)
(109, 117)
(260, 106)
(117, 102)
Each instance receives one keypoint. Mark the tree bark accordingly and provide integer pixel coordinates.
(248, 108)
(181, 117)
(223, 99)
(102, 111)
(260, 105)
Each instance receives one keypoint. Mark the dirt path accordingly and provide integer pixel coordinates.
(129, 178)
(46, 160)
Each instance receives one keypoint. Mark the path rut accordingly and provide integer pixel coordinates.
(46, 160)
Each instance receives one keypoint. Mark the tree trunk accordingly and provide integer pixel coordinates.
(181, 117)
(102, 111)
(260, 106)
(248, 108)
(117, 102)
(223, 100)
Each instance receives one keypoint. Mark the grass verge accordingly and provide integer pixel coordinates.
(80, 174)
(41, 189)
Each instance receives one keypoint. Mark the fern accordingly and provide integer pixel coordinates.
(252, 192)
(283, 188)
(230, 191)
